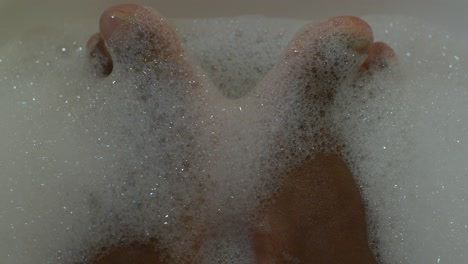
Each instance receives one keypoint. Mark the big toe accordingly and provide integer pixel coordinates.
(326, 54)
(138, 35)
(344, 32)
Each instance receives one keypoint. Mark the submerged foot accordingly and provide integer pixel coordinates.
(318, 215)
(137, 42)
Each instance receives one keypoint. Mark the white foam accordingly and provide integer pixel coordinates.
(87, 162)
(408, 146)
(226, 56)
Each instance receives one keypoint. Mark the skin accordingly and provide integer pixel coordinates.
(316, 219)
(133, 253)
(317, 216)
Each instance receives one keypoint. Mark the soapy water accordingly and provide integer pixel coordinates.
(88, 162)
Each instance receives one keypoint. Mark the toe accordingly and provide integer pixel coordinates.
(380, 56)
(116, 18)
(99, 55)
(136, 35)
(322, 56)
(345, 33)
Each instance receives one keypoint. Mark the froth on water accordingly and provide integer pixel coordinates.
(89, 161)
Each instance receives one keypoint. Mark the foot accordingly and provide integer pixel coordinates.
(167, 94)
(317, 215)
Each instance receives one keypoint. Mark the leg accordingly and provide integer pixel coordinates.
(317, 217)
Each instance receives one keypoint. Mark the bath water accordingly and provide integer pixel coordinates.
(88, 161)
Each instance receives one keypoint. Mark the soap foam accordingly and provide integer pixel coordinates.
(92, 162)
(407, 144)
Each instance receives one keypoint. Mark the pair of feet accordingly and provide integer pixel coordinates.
(317, 215)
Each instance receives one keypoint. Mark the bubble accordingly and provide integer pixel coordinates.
(92, 162)
(417, 119)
